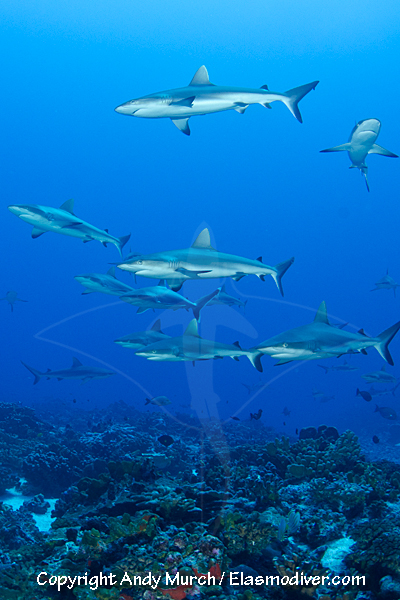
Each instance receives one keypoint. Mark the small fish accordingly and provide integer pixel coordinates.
(235, 418)
(158, 401)
(74, 401)
(256, 416)
(286, 411)
(375, 439)
(166, 440)
(386, 412)
(284, 423)
(366, 395)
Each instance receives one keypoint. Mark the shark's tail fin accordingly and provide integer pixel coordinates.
(255, 359)
(202, 303)
(280, 270)
(38, 375)
(323, 367)
(385, 338)
(294, 96)
(121, 242)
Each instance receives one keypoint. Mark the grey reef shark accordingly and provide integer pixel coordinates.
(161, 297)
(386, 283)
(361, 143)
(106, 284)
(201, 97)
(12, 298)
(63, 220)
(322, 340)
(76, 371)
(191, 347)
(139, 339)
(201, 261)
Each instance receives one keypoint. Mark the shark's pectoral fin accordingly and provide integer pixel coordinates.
(345, 146)
(182, 125)
(382, 151)
(36, 232)
(240, 107)
(71, 224)
(238, 276)
(141, 309)
(85, 292)
(189, 273)
(175, 284)
(282, 362)
(90, 239)
(185, 102)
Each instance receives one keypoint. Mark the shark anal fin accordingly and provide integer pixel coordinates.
(36, 232)
(182, 125)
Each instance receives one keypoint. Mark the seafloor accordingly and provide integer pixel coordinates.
(222, 498)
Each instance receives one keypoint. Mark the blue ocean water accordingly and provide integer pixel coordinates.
(257, 181)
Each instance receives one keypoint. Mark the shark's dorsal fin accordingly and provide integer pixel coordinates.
(203, 240)
(259, 259)
(68, 206)
(321, 316)
(383, 368)
(237, 345)
(192, 329)
(156, 326)
(76, 362)
(264, 87)
(161, 283)
(106, 230)
(111, 272)
(201, 77)
(222, 289)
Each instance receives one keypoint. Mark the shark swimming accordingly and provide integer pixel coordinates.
(380, 376)
(106, 284)
(143, 338)
(12, 298)
(343, 367)
(191, 347)
(386, 283)
(321, 340)
(224, 298)
(361, 143)
(63, 220)
(159, 296)
(201, 97)
(76, 371)
(201, 261)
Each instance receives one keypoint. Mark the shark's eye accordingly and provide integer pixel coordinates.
(154, 351)
(285, 345)
(138, 262)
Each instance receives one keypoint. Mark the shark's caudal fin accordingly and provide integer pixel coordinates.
(385, 338)
(38, 375)
(255, 359)
(280, 270)
(340, 148)
(202, 303)
(294, 96)
(382, 151)
(121, 242)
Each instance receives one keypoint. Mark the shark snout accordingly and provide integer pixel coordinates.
(126, 109)
(16, 209)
